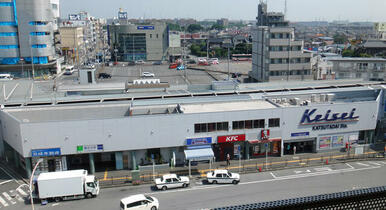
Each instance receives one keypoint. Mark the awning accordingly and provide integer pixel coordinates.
(199, 154)
(263, 141)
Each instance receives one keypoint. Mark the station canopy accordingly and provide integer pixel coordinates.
(199, 153)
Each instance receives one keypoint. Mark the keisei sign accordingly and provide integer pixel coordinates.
(233, 138)
(312, 117)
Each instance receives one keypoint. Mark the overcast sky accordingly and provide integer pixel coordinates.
(298, 10)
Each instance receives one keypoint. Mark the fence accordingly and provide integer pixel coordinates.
(371, 198)
(243, 166)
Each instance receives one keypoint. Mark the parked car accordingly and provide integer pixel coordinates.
(222, 176)
(203, 63)
(147, 74)
(191, 61)
(169, 181)
(7, 76)
(157, 62)
(131, 63)
(104, 76)
(139, 62)
(173, 66)
(139, 202)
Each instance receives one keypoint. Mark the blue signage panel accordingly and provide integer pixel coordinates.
(100, 147)
(300, 134)
(199, 141)
(45, 152)
(145, 27)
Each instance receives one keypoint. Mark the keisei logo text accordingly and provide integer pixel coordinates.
(311, 118)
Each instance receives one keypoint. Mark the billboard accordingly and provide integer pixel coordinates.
(145, 27)
(74, 17)
(122, 15)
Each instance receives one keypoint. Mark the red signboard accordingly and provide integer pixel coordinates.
(233, 138)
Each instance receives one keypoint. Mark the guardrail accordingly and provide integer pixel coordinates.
(371, 198)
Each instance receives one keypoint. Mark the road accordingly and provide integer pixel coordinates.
(258, 187)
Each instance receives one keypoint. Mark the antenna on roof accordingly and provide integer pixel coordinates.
(285, 8)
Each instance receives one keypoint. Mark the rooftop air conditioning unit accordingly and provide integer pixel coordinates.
(323, 97)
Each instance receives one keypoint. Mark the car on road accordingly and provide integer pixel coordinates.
(6, 77)
(139, 202)
(139, 62)
(147, 74)
(157, 62)
(131, 63)
(214, 61)
(173, 66)
(222, 176)
(169, 181)
(104, 76)
(69, 70)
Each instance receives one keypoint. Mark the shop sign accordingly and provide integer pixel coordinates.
(145, 27)
(233, 138)
(325, 142)
(199, 141)
(46, 152)
(300, 134)
(310, 118)
(90, 148)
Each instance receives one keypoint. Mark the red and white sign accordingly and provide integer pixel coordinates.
(233, 138)
(265, 134)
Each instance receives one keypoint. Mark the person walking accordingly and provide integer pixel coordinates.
(228, 160)
(294, 150)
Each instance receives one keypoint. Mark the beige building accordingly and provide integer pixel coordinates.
(72, 44)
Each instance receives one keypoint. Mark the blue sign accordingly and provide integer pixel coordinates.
(266, 145)
(145, 27)
(300, 134)
(309, 118)
(199, 141)
(152, 156)
(46, 152)
(100, 147)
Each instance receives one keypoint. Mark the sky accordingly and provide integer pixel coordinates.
(297, 10)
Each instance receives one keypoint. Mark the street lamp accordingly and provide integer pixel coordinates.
(30, 182)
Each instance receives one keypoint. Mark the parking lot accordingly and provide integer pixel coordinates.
(124, 73)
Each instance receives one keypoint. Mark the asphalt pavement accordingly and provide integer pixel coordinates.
(266, 186)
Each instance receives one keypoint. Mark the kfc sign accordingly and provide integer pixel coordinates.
(233, 138)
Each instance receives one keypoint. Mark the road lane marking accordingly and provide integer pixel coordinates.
(2, 201)
(289, 177)
(323, 169)
(5, 194)
(273, 175)
(17, 196)
(362, 164)
(350, 166)
(306, 171)
(5, 182)
(21, 192)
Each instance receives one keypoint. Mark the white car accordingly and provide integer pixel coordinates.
(148, 74)
(222, 176)
(138, 202)
(169, 181)
(139, 62)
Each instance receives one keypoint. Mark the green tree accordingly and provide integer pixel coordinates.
(242, 48)
(347, 53)
(340, 39)
(217, 27)
(174, 27)
(194, 28)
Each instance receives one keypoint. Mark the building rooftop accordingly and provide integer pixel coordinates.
(226, 106)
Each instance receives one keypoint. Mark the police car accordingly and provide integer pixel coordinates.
(169, 181)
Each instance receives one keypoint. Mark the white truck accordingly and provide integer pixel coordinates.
(65, 185)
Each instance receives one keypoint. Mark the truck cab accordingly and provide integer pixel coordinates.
(91, 186)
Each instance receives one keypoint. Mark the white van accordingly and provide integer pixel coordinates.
(6, 77)
(69, 70)
(139, 201)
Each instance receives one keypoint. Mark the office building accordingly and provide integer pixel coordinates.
(27, 34)
(276, 54)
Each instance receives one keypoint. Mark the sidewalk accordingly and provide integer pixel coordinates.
(123, 177)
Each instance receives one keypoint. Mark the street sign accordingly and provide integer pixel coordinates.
(152, 156)
(266, 145)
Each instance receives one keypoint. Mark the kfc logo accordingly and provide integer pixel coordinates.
(233, 138)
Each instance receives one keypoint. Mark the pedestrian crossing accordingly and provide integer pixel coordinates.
(12, 197)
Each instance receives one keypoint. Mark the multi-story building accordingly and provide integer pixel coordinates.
(72, 44)
(354, 68)
(223, 22)
(27, 34)
(276, 54)
(138, 42)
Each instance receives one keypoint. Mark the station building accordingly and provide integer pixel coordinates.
(128, 134)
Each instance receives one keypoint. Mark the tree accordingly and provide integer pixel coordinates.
(347, 53)
(340, 39)
(174, 27)
(194, 28)
(242, 48)
(217, 27)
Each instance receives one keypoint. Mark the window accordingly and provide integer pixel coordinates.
(248, 124)
(157, 36)
(218, 175)
(238, 125)
(151, 36)
(210, 127)
(259, 123)
(275, 122)
(90, 184)
(138, 203)
(175, 180)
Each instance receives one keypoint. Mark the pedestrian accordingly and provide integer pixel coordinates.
(294, 150)
(288, 148)
(228, 159)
